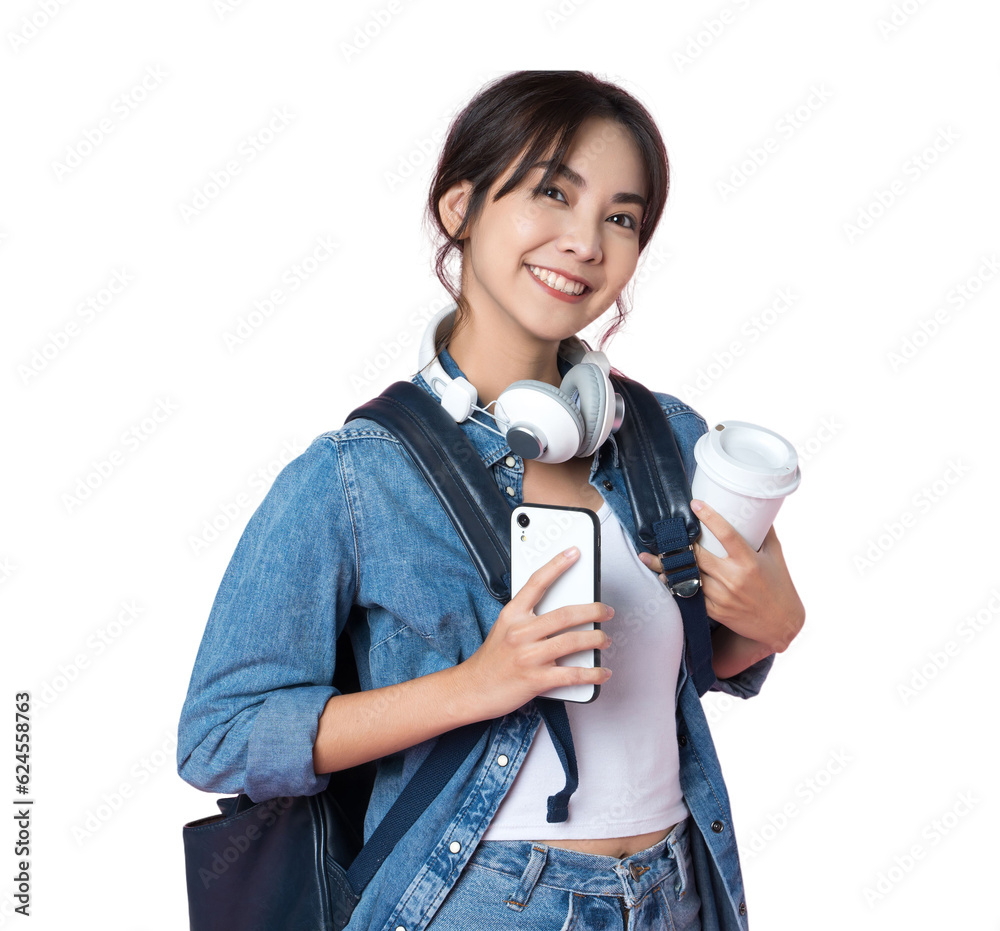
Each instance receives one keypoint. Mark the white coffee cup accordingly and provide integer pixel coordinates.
(744, 472)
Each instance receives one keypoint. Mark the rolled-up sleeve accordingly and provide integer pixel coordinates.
(747, 682)
(264, 669)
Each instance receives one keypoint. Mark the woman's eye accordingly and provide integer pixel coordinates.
(546, 190)
(627, 216)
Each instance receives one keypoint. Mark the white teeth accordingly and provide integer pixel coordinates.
(557, 281)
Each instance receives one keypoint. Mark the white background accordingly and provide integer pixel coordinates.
(858, 804)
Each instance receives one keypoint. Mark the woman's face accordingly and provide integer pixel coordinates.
(585, 225)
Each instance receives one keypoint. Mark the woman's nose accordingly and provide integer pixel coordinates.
(583, 241)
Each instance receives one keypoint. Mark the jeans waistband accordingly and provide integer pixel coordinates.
(592, 874)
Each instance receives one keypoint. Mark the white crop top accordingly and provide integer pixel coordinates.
(626, 739)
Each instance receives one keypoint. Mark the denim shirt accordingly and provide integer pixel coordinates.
(350, 528)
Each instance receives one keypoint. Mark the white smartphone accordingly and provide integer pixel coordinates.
(537, 533)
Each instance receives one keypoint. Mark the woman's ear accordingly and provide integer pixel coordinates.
(452, 206)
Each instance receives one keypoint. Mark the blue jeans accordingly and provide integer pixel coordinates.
(525, 885)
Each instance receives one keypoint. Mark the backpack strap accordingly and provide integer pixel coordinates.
(454, 470)
(660, 495)
(447, 755)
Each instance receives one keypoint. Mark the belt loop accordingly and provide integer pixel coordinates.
(676, 851)
(529, 878)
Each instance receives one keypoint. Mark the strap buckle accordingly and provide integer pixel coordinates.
(686, 587)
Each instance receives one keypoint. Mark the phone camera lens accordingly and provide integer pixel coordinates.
(523, 520)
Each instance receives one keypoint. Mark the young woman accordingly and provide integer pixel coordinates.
(549, 187)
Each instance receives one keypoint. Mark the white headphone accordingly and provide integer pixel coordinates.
(540, 421)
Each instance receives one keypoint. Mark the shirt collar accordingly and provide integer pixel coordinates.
(488, 444)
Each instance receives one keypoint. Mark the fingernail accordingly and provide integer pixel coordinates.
(571, 552)
(696, 505)
(608, 671)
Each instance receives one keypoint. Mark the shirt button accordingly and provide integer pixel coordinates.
(717, 826)
(743, 908)
(682, 740)
(510, 491)
(608, 485)
(511, 461)
(502, 760)
(454, 846)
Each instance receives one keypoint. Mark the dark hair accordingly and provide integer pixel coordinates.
(525, 111)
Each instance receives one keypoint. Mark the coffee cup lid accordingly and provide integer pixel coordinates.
(748, 459)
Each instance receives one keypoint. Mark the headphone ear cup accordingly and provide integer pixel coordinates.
(537, 416)
(589, 379)
(459, 398)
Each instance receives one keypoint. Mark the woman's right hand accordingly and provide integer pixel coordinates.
(517, 660)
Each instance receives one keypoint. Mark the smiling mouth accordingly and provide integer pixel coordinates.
(557, 282)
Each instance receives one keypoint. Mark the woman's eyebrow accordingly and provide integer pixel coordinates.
(620, 198)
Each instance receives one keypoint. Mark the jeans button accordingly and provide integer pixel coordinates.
(717, 826)
(682, 740)
(743, 908)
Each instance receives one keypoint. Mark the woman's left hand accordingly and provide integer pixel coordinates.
(749, 592)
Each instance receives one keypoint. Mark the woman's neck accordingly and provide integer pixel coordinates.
(492, 361)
